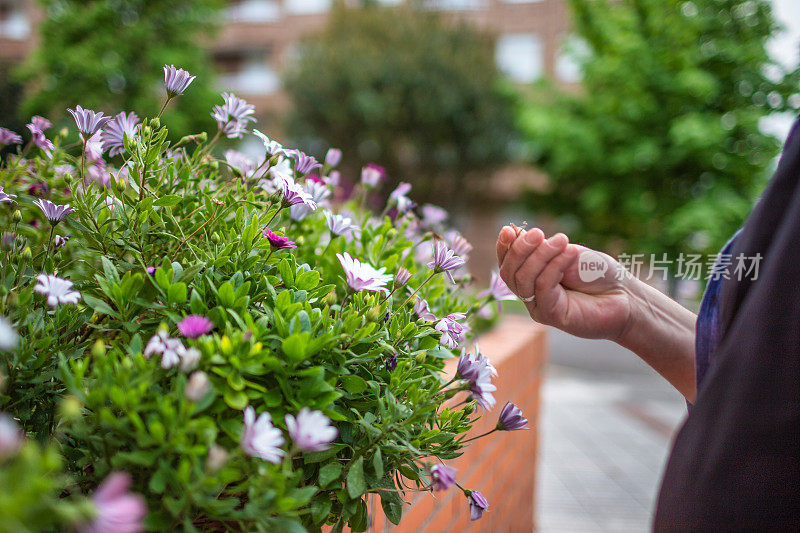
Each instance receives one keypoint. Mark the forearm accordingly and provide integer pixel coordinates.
(662, 333)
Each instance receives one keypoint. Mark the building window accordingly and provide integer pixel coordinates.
(248, 73)
(307, 7)
(520, 56)
(14, 23)
(522, 1)
(253, 11)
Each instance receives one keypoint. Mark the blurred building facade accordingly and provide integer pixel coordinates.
(258, 38)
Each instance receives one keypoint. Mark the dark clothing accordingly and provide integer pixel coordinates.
(735, 464)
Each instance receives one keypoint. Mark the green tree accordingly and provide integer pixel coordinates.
(662, 144)
(404, 88)
(108, 54)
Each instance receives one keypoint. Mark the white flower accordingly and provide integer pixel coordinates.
(57, 290)
(363, 276)
(10, 436)
(272, 147)
(172, 351)
(197, 386)
(340, 224)
(453, 333)
(311, 430)
(262, 439)
(8, 337)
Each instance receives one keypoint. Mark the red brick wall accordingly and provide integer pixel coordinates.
(503, 465)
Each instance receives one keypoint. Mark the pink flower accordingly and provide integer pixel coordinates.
(333, 157)
(442, 477)
(8, 137)
(194, 326)
(478, 371)
(261, 439)
(277, 242)
(41, 123)
(423, 310)
(477, 504)
(233, 116)
(11, 436)
(362, 276)
(372, 175)
(40, 140)
(311, 430)
(498, 290)
(118, 510)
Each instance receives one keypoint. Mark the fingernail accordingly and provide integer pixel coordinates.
(505, 237)
(532, 238)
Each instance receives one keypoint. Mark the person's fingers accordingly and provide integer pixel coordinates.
(504, 240)
(548, 287)
(524, 245)
(526, 274)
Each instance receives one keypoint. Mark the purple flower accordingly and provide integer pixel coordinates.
(402, 277)
(239, 161)
(333, 179)
(458, 243)
(372, 175)
(194, 326)
(261, 439)
(151, 270)
(11, 436)
(303, 164)
(453, 333)
(40, 140)
(277, 242)
(433, 215)
(362, 276)
(340, 224)
(39, 188)
(442, 477)
(117, 509)
(391, 362)
(116, 129)
(89, 122)
(422, 309)
(197, 386)
(511, 418)
(176, 80)
(333, 157)
(398, 197)
(41, 123)
(9, 137)
(477, 504)
(478, 371)
(52, 212)
(57, 290)
(233, 116)
(498, 290)
(5, 197)
(311, 430)
(445, 260)
(292, 192)
(60, 240)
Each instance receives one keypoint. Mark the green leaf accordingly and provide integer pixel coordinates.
(307, 280)
(355, 479)
(329, 473)
(295, 346)
(168, 201)
(98, 305)
(236, 399)
(353, 384)
(392, 506)
(377, 463)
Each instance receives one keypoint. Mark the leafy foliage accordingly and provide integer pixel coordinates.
(662, 143)
(179, 232)
(108, 54)
(402, 86)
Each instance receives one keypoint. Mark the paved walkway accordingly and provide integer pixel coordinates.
(606, 427)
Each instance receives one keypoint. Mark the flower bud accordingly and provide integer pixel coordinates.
(155, 123)
(391, 233)
(374, 314)
(469, 408)
(27, 255)
(146, 131)
(99, 348)
(17, 216)
(70, 408)
(421, 356)
(215, 238)
(197, 386)
(201, 137)
(121, 184)
(217, 457)
(329, 298)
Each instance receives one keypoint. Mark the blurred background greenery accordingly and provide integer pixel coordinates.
(638, 126)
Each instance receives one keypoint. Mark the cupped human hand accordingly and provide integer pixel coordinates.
(548, 268)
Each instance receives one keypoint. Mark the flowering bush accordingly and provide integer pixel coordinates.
(223, 344)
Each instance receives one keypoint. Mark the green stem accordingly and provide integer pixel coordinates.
(417, 289)
(479, 436)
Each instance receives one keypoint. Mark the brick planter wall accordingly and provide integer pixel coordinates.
(503, 465)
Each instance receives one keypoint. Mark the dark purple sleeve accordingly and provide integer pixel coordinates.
(735, 464)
